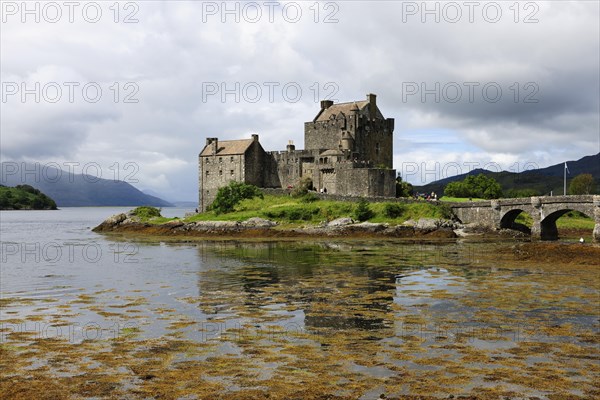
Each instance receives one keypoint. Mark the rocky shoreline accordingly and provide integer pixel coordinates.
(346, 228)
(262, 228)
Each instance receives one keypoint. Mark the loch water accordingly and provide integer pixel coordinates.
(354, 318)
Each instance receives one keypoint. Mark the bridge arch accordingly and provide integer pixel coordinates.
(544, 210)
(548, 229)
(507, 220)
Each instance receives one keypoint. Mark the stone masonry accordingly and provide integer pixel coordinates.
(348, 150)
(501, 214)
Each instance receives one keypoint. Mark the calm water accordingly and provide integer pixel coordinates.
(357, 318)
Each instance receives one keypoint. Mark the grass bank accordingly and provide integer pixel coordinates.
(290, 211)
(293, 212)
(571, 220)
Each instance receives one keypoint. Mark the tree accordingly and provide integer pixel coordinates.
(582, 184)
(229, 196)
(403, 189)
(303, 187)
(480, 186)
(363, 212)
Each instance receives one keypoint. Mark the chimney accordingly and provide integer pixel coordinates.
(255, 137)
(372, 98)
(290, 147)
(214, 144)
(325, 104)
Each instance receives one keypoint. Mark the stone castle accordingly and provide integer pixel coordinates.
(348, 150)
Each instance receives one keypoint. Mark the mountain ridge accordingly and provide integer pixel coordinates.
(78, 190)
(542, 180)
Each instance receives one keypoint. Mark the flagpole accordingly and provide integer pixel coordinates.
(565, 181)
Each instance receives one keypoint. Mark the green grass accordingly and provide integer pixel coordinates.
(459, 199)
(291, 211)
(571, 220)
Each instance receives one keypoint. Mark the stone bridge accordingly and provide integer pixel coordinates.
(501, 214)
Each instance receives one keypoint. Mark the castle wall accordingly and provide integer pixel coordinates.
(254, 161)
(287, 168)
(366, 182)
(374, 141)
(363, 170)
(217, 171)
(322, 135)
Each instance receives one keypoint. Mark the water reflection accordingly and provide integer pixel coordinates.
(347, 311)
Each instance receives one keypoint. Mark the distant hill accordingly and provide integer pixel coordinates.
(175, 202)
(188, 204)
(77, 190)
(542, 181)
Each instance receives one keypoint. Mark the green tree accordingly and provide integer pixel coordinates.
(363, 212)
(302, 187)
(393, 210)
(582, 184)
(229, 196)
(403, 189)
(515, 193)
(475, 186)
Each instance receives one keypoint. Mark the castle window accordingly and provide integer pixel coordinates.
(231, 172)
(208, 160)
(220, 172)
(231, 159)
(220, 159)
(207, 173)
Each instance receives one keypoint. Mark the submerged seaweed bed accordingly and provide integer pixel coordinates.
(350, 319)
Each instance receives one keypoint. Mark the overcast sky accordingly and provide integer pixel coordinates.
(469, 84)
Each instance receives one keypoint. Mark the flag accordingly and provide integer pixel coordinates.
(567, 168)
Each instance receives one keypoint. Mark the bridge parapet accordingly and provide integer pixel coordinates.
(544, 210)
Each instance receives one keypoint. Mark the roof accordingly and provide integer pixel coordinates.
(229, 147)
(332, 153)
(345, 108)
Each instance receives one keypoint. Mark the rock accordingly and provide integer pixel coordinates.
(512, 233)
(442, 233)
(111, 222)
(257, 222)
(116, 219)
(427, 224)
(402, 231)
(341, 222)
(370, 226)
(446, 223)
(173, 224)
(207, 226)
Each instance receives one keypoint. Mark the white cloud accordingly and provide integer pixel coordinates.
(171, 53)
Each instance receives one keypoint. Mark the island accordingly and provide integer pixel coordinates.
(24, 197)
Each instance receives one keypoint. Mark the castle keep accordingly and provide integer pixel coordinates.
(348, 150)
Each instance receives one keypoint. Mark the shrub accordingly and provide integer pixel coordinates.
(363, 212)
(303, 187)
(446, 211)
(403, 189)
(393, 210)
(146, 212)
(309, 198)
(231, 195)
(293, 214)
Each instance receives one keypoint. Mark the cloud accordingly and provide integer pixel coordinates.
(176, 52)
